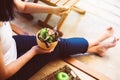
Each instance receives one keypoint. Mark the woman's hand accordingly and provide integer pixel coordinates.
(38, 50)
(61, 10)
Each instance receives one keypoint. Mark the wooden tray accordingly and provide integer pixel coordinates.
(85, 69)
(65, 69)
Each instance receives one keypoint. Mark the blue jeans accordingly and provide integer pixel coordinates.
(64, 48)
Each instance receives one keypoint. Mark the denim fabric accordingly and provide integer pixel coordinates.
(64, 48)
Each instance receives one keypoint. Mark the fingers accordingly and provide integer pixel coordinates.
(63, 13)
(63, 10)
(115, 40)
(39, 50)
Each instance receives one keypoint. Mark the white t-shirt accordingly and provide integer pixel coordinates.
(8, 43)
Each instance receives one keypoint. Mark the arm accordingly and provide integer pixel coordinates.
(29, 7)
(8, 70)
(13, 67)
(2, 66)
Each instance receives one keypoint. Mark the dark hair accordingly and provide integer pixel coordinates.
(6, 10)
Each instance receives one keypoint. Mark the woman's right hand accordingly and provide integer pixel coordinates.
(37, 50)
(61, 10)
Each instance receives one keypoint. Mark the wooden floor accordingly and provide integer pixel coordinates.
(100, 14)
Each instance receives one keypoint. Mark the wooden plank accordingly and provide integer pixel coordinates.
(61, 21)
(18, 30)
(55, 65)
(62, 2)
(104, 5)
(79, 65)
(79, 10)
(105, 12)
(70, 3)
(43, 24)
(54, 1)
(48, 18)
(115, 3)
(48, 2)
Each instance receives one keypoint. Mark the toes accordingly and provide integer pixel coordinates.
(115, 40)
(110, 32)
(101, 54)
(109, 28)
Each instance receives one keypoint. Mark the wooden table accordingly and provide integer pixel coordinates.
(83, 71)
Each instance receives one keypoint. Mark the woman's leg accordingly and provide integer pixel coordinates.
(101, 48)
(72, 46)
(65, 47)
(80, 45)
(108, 33)
(98, 46)
(24, 43)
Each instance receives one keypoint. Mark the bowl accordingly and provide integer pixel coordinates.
(43, 45)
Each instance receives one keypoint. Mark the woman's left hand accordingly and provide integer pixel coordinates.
(39, 50)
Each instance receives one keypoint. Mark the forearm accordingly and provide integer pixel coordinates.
(13, 67)
(2, 65)
(29, 7)
(37, 8)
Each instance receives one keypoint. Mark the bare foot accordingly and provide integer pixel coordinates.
(103, 47)
(108, 33)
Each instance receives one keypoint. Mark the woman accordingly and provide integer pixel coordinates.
(20, 57)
